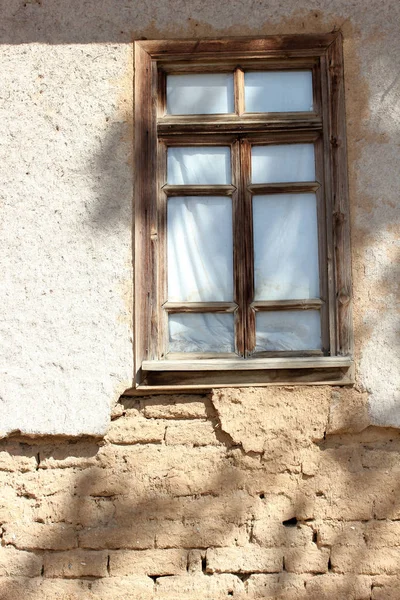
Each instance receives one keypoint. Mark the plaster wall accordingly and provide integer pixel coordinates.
(66, 136)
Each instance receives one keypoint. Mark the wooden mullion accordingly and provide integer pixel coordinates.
(284, 188)
(238, 84)
(238, 250)
(306, 304)
(316, 85)
(162, 243)
(341, 214)
(161, 94)
(247, 246)
(200, 307)
(199, 190)
(328, 201)
(322, 247)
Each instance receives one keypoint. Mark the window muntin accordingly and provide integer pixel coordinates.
(305, 131)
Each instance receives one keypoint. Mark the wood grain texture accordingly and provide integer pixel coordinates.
(162, 249)
(195, 380)
(173, 125)
(224, 65)
(223, 48)
(304, 304)
(247, 246)
(317, 362)
(284, 188)
(340, 209)
(239, 91)
(199, 307)
(322, 246)
(325, 127)
(238, 250)
(146, 225)
(198, 190)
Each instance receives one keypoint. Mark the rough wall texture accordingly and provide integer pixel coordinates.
(65, 246)
(206, 497)
(284, 493)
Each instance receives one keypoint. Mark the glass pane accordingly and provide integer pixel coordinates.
(200, 249)
(201, 94)
(285, 247)
(288, 330)
(207, 332)
(285, 163)
(207, 165)
(278, 91)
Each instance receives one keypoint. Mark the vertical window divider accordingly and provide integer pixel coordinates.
(238, 263)
(322, 245)
(238, 84)
(162, 284)
(247, 247)
(327, 175)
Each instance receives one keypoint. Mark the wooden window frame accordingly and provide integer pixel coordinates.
(154, 129)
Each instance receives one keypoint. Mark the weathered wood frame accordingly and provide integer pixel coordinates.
(154, 130)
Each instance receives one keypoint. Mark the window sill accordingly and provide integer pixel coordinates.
(204, 374)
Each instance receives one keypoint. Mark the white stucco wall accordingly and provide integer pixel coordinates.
(66, 193)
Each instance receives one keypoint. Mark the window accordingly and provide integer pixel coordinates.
(242, 256)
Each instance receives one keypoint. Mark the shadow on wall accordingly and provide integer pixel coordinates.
(170, 506)
(169, 499)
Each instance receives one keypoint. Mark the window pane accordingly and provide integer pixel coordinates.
(199, 165)
(285, 163)
(200, 94)
(288, 330)
(278, 91)
(285, 247)
(207, 332)
(200, 249)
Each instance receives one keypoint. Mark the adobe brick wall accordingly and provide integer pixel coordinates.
(271, 493)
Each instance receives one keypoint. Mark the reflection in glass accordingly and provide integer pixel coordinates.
(283, 163)
(287, 330)
(206, 332)
(285, 247)
(278, 91)
(205, 165)
(201, 94)
(200, 249)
